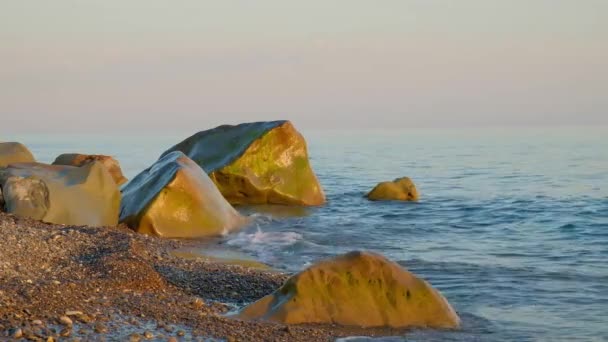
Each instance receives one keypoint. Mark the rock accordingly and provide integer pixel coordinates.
(65, 332)
(401, 189)
(15, 333)
(100, 328)
(355, 289)
(36, 322)
(14, 152)
(111, 164)
(148, 335)
(65, 320)
(181, 333)
(74, 313)
(172, 339)
(1, 201)
(134, 337)
(256, 163)
(84, 195)
(176, 198)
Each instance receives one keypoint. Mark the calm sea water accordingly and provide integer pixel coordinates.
(512, 226)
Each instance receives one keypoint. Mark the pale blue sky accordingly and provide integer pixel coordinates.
(155, 65)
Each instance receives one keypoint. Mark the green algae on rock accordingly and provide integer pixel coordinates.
(355, 289)
(401, 189)
(14, 152)
(60, 194)
(256, 163)
(176, 198)
(76, 159)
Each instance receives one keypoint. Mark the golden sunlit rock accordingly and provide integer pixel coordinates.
(401, 189)
(84, 195)
(256, 163)
(355, 289)
(76, 159)
(14, 152)
(176, 198)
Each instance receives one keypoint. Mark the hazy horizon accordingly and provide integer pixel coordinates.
(69, 66)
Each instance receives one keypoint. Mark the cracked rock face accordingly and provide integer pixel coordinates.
(76, 159)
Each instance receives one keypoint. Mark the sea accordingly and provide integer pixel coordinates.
(512, 224)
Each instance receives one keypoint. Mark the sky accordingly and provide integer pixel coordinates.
(150, 65)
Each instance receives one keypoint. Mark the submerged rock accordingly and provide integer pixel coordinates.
(61, 194)
(111, 164)
(355, 289)
(14, 152)
(401, 189)
(256, 163)
(176, 198)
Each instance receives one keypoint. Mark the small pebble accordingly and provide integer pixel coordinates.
(65, 320)
(100, 328)
(50, 339)
(16, 333)
(134, 338)
(37, 322)
(65, 332)
(172, 339)
(198, 303)
(181, 333)
(74, 313)
(148, 335)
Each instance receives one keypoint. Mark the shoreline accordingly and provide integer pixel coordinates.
(112, 283)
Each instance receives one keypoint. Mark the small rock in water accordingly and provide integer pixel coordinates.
(73, 313)
(65, 320)
(181, 333)
(50, 339)
(172, 339)
(148, 335)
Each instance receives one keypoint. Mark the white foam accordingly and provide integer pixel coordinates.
(264, 245)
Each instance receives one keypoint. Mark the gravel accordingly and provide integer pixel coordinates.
(83, 283)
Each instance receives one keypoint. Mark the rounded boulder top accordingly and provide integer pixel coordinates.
(256, 163)
(355, 289)
(77, 159)
(14, 152)
(401, 189)
(175, 198)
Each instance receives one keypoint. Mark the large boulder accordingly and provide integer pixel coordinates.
(84, 195)
(256, 163)
(401, 189)
(355, 289)
(176, 198)
(76, 159)
(14, 152)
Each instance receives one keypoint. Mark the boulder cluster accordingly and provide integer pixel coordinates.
(189, 192)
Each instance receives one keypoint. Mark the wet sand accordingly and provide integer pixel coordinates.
(79, 283)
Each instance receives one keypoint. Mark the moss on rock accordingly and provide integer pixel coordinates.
(401, 189)
(256, 163)
(355, 289)
(176, 198)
